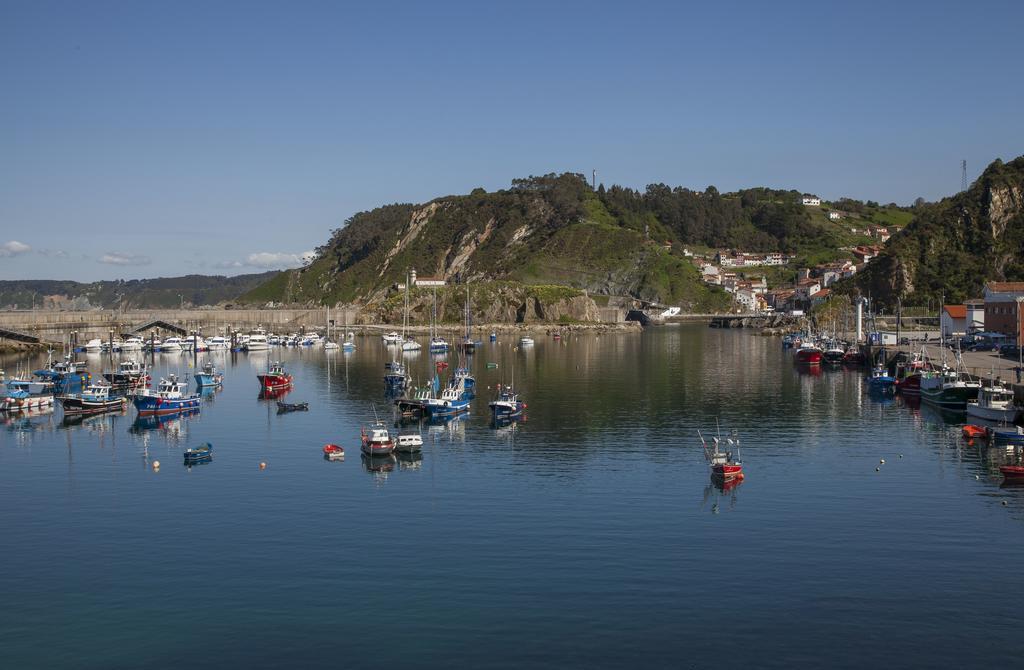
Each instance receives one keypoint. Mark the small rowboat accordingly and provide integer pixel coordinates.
(972, 431)
(200, 454)
(333, 452)
(1014, 473)
(283, 407)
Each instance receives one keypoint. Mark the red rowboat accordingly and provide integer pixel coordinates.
(971, 431)
(275, 379)
(1013, 472)
(333, 452)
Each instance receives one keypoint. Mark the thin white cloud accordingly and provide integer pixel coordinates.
(53, 253)
(13, 248)
(228, 265)
(268, 260)
(115, 258)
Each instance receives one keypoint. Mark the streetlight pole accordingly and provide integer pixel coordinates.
(1020, 331)
(182, 302)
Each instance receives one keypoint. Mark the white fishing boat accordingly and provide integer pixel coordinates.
(525, 341)
(392, 338)
(994, 403)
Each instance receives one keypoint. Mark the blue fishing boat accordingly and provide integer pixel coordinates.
(1006, 436)
(463, 380)
(507, 406)
(67, 375)
(881, 381)
(201, 454)
(396, 376)
(209, 376)
(95, 399)
(449, 403)
(170, 397)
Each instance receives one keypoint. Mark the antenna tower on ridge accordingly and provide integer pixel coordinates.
(963, 175)
(593, 180)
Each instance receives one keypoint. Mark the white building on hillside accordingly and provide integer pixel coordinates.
(811, 200)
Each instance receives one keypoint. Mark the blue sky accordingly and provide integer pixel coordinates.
(143, 139)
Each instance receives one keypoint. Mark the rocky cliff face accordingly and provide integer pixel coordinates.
(953, 247)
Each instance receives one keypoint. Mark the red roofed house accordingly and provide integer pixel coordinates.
(820, 297)
(953, 320)
(1003, 308)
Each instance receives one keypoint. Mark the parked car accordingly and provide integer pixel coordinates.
(1009, 351)
(904, 340)
(983, 346)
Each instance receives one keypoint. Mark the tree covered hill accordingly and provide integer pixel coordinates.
(556, 230)
(951, 248)
(190, 290)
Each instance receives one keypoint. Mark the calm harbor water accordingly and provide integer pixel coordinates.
(588, 535)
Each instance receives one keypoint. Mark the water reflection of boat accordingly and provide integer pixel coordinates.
(274, 394)
(170, 423)
(98, 421)
(22, 419)
(379, 463)
(410, 460)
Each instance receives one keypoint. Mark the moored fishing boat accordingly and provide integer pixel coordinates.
(833, 354)
(1013, 435)
(808, 354)
(994, 403)
(391, 338)
(95, 399)
(275, 379)
(376, 440)
(452, 401)
(853, 357)
(408, 443)
(880, 381)
(948, 389)
(507, 405)
(723, 464)
(209, 376)
(130, 374)
(171, 396)
(24, 394)
(414, 405)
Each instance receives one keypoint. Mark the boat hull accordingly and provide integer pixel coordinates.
(949, 397)
(378, 448)
(727, 471)
(156, 406)
(274, 382)
(994, 414)
(10, 404)
(73, 405)
(808, 357)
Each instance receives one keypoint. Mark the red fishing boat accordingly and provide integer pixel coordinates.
(1013, 473)
(275, 379)
(724, 464)
(910, 385)
(808, 354)
(853, 356)
(377, 440)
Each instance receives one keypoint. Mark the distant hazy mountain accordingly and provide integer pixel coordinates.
(192, 290)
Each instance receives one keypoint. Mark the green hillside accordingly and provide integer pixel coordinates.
(557, 230)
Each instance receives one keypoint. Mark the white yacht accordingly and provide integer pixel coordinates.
(392, 338)
(94, 346)
(132, 344)
(218, 343)
(257, 342)
(171, 345)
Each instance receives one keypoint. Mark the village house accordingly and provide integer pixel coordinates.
(834, 215)
(805, 288)
(810, 200)
(1003, 309)
(820, 297)
(865, 253)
